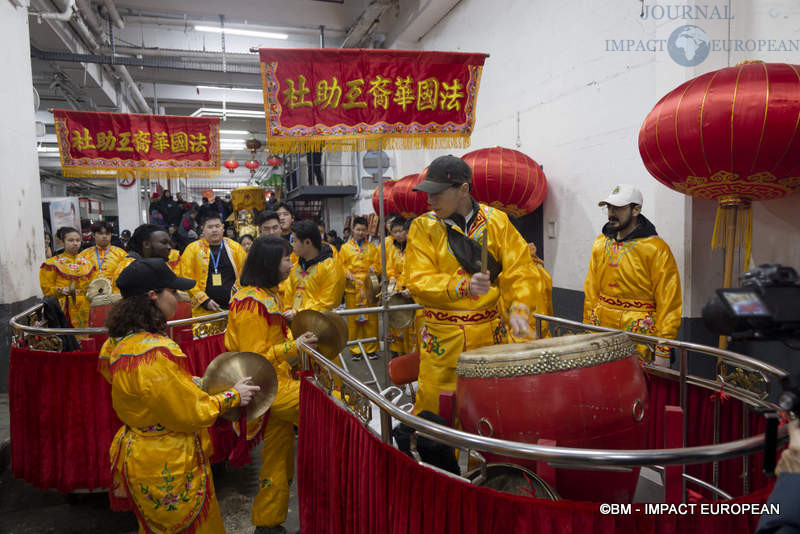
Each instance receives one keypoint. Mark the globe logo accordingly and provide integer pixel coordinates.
(688, 46)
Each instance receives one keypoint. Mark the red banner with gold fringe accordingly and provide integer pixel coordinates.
(352, 99)
(121, 145)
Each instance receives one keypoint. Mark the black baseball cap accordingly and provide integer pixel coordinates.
(150, 273)
(444, 172)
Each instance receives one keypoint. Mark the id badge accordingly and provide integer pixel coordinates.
(216, 279)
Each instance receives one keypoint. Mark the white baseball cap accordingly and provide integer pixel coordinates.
(622, 195)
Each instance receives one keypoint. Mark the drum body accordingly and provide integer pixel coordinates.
(183, 333)
(585, 391)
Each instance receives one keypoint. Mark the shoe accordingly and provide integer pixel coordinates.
(278, 529)
(357, 357)
(373, 356)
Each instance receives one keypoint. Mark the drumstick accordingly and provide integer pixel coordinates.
(485, 251)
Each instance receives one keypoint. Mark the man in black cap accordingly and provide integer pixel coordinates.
(445, 273)
(150, 274)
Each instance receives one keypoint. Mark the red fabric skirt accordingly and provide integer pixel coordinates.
(62, 421)
(351, 482)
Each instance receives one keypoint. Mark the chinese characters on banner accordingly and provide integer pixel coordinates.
(352, 99)
(120, 145)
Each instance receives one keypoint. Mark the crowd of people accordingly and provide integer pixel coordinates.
(477, 279)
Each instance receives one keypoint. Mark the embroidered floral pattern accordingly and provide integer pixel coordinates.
(500, 335)
(644, 325)
(228, 397)
(158, 427)
(615, 250)
(171, 497)
(430, 342)
(266, 483)
(594, 319)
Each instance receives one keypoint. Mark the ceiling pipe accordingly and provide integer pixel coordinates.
(63, 16)
(178, 53)
(133, 18)
(90, 17)
(113, 14)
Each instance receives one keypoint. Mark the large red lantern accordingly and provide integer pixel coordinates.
(730, 135)
(252, 164)
(506, 179)
(407, 202)
(388, 203)
(274, 161)
(231, 165)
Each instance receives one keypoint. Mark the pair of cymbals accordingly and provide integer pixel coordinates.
(230, 367)
(330, 329)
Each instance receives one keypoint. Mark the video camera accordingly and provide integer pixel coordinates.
(766, 307)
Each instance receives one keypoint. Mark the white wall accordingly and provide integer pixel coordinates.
(580, 109)
(22, 240)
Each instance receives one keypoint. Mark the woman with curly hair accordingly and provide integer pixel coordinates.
(256, 324)
(159, 458)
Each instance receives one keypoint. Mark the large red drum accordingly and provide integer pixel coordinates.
(585, 391)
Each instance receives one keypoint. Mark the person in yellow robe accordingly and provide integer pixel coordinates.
(214, 263)
(633, 283)
(147, 241)
(103, 255)
(159, 457)
(401, 341)
(66, 276)
(256, 324)
(443, 259)
(359, 258)
(543, 285)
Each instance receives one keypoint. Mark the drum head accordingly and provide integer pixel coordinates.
(513, 479)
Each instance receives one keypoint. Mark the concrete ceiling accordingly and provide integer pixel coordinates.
(180, 58)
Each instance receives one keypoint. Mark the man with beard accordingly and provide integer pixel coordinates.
(633, 282)
(148, 241)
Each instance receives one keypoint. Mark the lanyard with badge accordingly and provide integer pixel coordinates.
(216, 276)
(100, 261)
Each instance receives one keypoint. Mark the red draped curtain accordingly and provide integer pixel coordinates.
(62, 421)
(351, 482)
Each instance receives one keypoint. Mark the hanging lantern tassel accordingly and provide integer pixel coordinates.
(733, 229)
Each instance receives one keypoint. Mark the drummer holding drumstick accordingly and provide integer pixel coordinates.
(459, 289)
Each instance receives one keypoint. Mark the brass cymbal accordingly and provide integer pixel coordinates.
(227, 368)
(330, 329)
(400, 319)
(372, 285)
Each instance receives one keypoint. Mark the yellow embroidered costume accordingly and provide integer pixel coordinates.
(357, 260)
(105, 261)
(62, 271)
(159, 458)
(454, 320)
(544, 301)
(401, 341)
(194, 264)
(255, 324)
(634, 285)
(174, 261)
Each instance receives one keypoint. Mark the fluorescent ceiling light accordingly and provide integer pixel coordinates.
(237, 31)
(218, 112)
(47, 149)
(229, 88)
(234, 132)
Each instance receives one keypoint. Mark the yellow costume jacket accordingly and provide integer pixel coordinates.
(455, 320)
(634, 285)
(104, 261)
(61, 271)
(174, 261)
(357, 260)
(401, 341)
(318, 286)
(194, 265)
(159, 458)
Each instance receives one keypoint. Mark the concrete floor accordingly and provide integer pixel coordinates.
(27, 510)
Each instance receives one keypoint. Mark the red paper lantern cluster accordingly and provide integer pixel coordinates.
(728, 135)
(506, 179)
(388, 201)
(410, 203)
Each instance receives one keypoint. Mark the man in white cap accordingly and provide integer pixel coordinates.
(633, 282)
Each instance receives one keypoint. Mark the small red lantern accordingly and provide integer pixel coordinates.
(274, 161)
(252, 164)
(388, 203)
(231, 165)
(507, 180)
(407, 202)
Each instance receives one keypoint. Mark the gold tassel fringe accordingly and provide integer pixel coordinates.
(97, 172)
(743, 239)
(359, 143)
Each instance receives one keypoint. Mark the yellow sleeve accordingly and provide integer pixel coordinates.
(517, 280)
(123, 262)
(177, 402)
(331, 291)
(590, 290)
(239, 257)
(290, 289)
(425, 281)
(47, 280)
(190, 269)
(250, 331)
(391, 263)
(667, 292)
